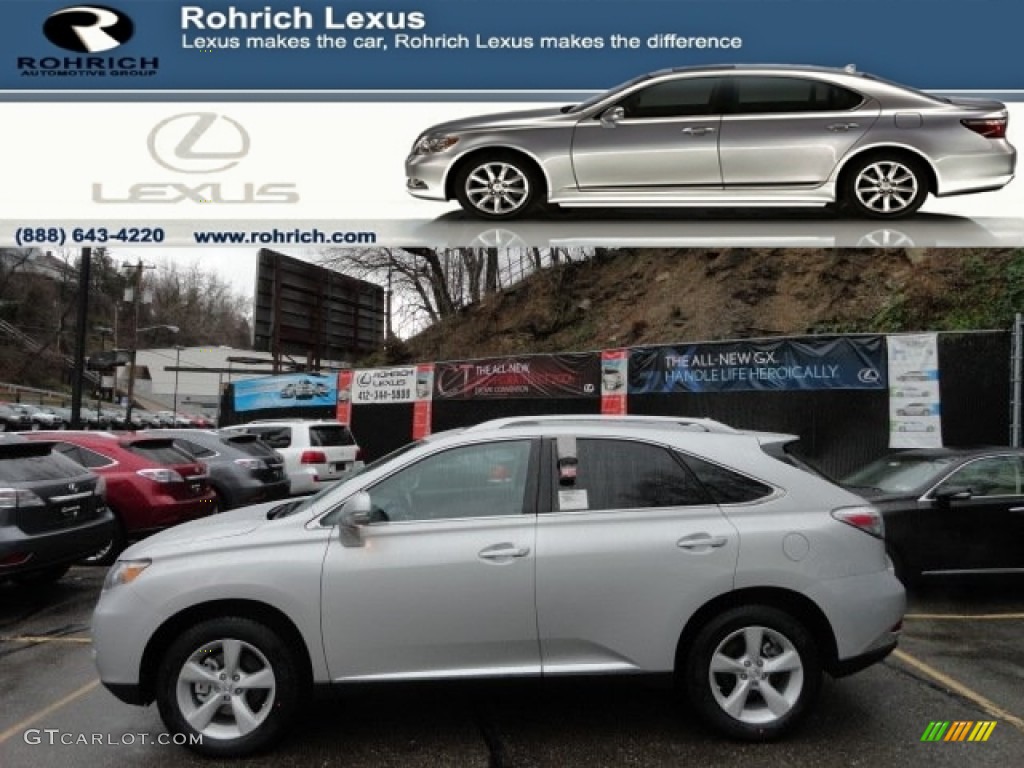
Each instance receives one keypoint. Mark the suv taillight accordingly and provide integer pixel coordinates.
(161, 475)
(990, 127)
(866, 518)
(313, 457)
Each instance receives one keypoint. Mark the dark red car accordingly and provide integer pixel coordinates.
(151, 485)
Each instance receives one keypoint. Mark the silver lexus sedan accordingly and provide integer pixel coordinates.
(524, 547)
(730, 136)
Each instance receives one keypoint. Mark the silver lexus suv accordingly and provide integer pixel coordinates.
(534, 546)
(730, 136)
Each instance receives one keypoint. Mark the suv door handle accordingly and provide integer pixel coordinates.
(702, 541)
(503, 551)
(843, 126)
(698, 131)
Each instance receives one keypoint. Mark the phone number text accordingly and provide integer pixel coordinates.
(87, 235)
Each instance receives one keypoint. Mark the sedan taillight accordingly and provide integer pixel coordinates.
(990, 127)
(313, 457)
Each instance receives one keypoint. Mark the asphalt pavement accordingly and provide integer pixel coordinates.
(961, 658)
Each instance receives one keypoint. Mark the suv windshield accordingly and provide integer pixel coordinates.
(899, 474)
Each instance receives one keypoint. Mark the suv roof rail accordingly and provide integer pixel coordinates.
(683, 422)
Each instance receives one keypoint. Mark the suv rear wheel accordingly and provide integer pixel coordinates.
(233, 681)
(752, 672)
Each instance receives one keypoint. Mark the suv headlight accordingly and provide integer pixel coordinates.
(432, 143)
(125, 572)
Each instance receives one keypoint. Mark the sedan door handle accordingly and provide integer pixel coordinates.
(700, 131)
(702, 541)
(843, 126)
(503, 552)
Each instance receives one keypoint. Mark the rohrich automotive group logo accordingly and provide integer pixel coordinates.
(88, 30)
(198, 143)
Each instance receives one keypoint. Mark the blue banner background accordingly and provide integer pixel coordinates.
(293, 390)
(932, 44)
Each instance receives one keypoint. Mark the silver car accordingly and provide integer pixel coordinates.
(722, 136)
(526, 547)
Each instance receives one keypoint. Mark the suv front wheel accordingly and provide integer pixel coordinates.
(752, 672)
(231, 681)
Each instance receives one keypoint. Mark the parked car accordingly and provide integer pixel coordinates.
(146, 419)
(38, 417)
(172, 419)
(151, 485)
(243, 470)
(521, 547)
(914, 409)
(12, 419)
(948, 511)
(722, 136)
(52, 511)
(315, 452)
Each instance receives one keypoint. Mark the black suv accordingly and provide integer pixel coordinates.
(53, 511)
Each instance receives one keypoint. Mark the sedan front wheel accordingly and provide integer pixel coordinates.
(498, 186)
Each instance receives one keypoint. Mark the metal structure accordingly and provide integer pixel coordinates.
(311, 312)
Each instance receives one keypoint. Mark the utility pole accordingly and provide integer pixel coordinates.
(83, 318)
(136, 300)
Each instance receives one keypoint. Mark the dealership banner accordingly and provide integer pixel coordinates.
(614, 381)
(540, 376)
(783, 365)
(915, 418)
(293, 390)
(384, 385)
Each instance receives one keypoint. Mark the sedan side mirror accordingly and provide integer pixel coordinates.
(613, 117)
(355, 513)
(945, 496)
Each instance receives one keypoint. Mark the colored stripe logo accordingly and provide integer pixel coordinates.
(958, 730)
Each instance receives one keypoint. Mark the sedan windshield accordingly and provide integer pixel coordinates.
(899, 474)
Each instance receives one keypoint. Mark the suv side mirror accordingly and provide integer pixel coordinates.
(945, 496)
(354, 513)
(613, 117)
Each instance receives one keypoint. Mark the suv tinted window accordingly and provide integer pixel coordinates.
(471, 481)
(83, 456)
(250, 444)
(199, 451)
(758, 95)
(275, 437)
(623, 474)
(328, 436)
(992, 476)
(726, 486)
(682, 97)
(161, 453)
(53, 466)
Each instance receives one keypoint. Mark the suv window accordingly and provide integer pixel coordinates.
(764, 95)
(625, 474)
(992, 476)
(681, 97)
(52, 466)
(83, 456)
(726, 486)
(275, 437)
(250, 444)
(161, 453)
(471, 481)
(330, 435)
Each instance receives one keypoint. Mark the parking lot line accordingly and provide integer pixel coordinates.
(20, 727)
(44, 639)
(959, 688)
(966, 617)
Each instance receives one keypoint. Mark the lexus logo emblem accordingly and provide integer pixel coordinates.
(73, 487)
(198, 142)
(869, 376)
(88, 28)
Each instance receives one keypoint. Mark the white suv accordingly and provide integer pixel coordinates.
(315, 453)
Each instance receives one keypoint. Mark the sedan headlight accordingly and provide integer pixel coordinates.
(432, 143)
(125, 572)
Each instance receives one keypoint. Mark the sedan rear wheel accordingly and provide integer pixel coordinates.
(498, 186)
(752, 672)
(234, 682)
(885, 187)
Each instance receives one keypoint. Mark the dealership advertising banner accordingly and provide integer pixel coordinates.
(915, 418)
(326, 124)
(384, 385)
(295, 390)
(783, 365)
(539, 376)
